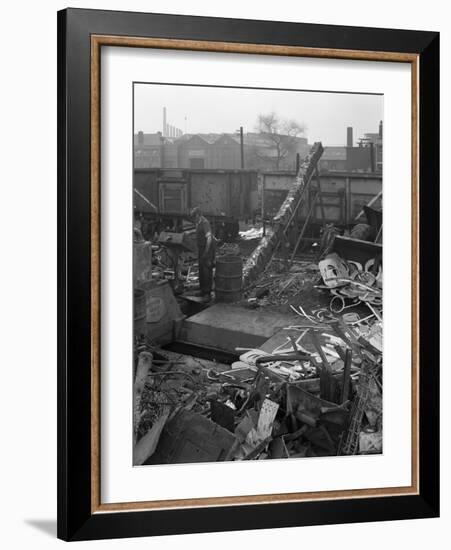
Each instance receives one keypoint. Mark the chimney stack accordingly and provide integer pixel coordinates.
(380, 129)
(349, 138)
(164, 123)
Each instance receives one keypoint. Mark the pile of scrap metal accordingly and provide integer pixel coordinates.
(327, 383)
(228, 249)
(318, 397)
(172, 395)
(279, 286)
(352, 283)
(251, 234)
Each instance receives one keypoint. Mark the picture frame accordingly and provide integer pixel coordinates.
(81, 36)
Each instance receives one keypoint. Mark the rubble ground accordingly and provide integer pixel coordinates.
(313, 389)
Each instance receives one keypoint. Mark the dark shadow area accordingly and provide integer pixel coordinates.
(47, 526)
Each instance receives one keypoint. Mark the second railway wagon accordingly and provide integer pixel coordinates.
(343, 196)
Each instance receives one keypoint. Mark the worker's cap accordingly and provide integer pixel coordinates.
(195, 212)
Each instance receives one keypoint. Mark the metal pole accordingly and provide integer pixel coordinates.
(323, 213)
(242, 147)
(372, 201)
(301, 234)
(379, 233)
(372, 163)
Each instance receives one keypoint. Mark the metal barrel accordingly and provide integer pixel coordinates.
(228, 278)
(139, 311)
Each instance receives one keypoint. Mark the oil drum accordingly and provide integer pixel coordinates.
(228, 278)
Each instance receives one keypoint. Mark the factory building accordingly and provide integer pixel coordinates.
(366, 157)
(214, 151)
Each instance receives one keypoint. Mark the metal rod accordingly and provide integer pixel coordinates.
(307, 184)
(379, 233)
(372, 201)
(242, 147)
(323, 213)
(346, 375)
(307, 219)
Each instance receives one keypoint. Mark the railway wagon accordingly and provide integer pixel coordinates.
(343, 196)
(163, 198)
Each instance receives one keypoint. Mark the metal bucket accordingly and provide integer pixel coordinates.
(228, 279)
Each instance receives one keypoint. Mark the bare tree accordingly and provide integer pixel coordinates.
(282, 137)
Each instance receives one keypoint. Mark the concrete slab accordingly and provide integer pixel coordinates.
(226, 327)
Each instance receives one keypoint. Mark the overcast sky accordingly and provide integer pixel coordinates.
(199, 109)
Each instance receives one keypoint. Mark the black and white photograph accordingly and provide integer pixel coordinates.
(228, 264)
(257, 229)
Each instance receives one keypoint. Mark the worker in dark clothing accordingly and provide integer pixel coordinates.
(206, 252)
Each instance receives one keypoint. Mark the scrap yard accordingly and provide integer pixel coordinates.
(257, 313)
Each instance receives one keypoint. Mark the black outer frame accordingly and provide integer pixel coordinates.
(75, 521)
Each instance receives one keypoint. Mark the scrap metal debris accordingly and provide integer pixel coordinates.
(279, 286)
(315, 390)
(263, 253)
(351, 284)
(316, 393)
(252, 233)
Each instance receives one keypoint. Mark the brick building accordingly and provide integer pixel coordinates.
(215, 151)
